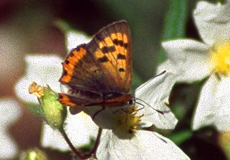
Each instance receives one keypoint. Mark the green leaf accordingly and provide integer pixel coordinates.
(179, 137)
(35, 109)
(222, 1)
(175, 23)
(179, 110)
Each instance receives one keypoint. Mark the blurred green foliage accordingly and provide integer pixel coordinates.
(174, 24)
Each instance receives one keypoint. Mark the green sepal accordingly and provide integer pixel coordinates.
(53, 111)
(33, 154)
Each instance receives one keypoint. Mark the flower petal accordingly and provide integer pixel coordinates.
(75, 38)
(113, 148)
(223, 102)
(213, 21)
(10, 112)
(78, 127)
(205, 113)
(206, 108)
(43, 69)
(188, 59)
(156, 93)
(144, 146)
(213, 107)
(159, 147)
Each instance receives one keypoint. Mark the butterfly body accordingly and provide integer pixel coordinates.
(99, 72)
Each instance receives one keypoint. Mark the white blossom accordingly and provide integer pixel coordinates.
(191, 61)
(124, 134)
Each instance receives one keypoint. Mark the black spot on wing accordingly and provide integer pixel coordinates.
(108, 49)
(120, 43)
(60, 96)
(121, 56)
(103, 59)
(121, 70)
(66, 61)
(65, 72)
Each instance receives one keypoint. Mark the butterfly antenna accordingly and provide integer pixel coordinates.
(141, 105)
(163, 72)
(161, 112)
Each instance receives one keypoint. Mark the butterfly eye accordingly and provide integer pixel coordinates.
(130, 101)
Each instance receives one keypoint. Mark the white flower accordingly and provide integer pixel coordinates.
(46, 70)
(124, 135)
(74, 39)
(9, 113)
(191, 61)
(43, 69)
(145, 145)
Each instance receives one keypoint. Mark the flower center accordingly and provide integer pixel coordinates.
(127, 120)
(221, 59)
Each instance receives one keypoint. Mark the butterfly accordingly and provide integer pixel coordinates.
(99, 72)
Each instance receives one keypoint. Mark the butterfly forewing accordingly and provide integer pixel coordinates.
(100, 68)
(111, 47)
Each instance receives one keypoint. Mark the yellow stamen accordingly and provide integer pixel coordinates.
(35, 89)
(221, 59)
(127, 120)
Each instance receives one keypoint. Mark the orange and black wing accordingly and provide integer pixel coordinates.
(82, 77)
(111, 49)
(102, 66)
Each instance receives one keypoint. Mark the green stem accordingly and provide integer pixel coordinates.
(75, 151)
(96, 143)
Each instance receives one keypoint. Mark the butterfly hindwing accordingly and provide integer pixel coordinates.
(80, 71)
(79, 98)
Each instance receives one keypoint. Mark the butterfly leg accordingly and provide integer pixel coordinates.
(103, 108)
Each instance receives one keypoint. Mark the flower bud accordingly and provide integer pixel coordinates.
(33, 154)
(53, 111)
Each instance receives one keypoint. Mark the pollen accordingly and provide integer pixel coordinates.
(221, 59)
(36, 89)
(128, 120)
